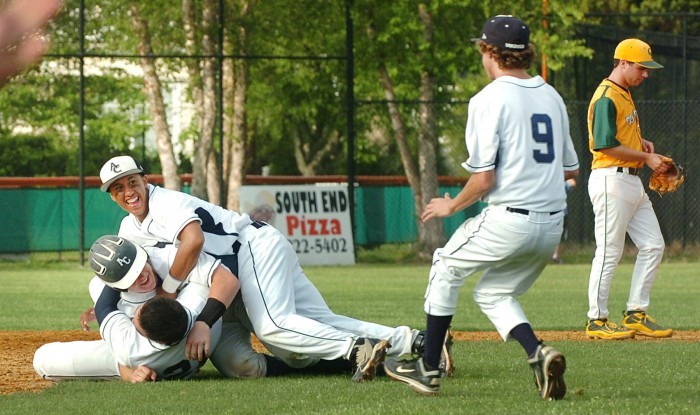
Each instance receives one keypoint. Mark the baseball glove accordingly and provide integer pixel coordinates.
(670, 180)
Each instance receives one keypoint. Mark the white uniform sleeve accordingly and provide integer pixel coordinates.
(120, 334)
(570, 158)
(95, 288)
(170, 212)
(161, 258)
(481, 135)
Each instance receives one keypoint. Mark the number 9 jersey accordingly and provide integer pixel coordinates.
(520, 127)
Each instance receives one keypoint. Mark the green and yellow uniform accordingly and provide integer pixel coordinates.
(612, 121)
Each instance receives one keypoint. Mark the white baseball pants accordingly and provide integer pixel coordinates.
(288, 313)
(511, 248)
(621, 205)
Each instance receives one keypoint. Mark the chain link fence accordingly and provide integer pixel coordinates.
(667, 104)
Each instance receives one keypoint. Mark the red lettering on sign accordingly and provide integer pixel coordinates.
(301, 226)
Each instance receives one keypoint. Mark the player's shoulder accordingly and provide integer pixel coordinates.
(161, 196)
(613, 91)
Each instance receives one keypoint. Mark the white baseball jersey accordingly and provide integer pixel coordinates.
(520, 129)
(173, 211)
(98, 359)
(525, 137)
(286, 310)
(132, 349)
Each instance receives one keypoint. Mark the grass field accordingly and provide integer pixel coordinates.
(623, 377)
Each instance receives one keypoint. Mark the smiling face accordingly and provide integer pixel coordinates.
(145, 282)
(131, 194)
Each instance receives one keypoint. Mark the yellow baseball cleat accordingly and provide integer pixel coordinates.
(644, 325)
(606, 330)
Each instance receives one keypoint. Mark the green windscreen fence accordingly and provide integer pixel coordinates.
(386, 214)
(49, 219)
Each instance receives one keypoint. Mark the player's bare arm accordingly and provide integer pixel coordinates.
(653, 160)
(647, 146)
(191, 240)
(141, 374)
(477, 186)
(86, 317)
(224, 287)
(573, 174)
(22, 37)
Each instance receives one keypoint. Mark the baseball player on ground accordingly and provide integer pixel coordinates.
(124, 268)
(620, 203)
(288, 314)
(520, 153)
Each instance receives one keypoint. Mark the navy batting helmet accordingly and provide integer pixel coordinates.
(117, 261)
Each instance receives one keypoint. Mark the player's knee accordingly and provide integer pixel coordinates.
(611, 252)
(486, 301)
(42, 358)
(268, 329)
(654, 247)
(241, 365)
(250, 368)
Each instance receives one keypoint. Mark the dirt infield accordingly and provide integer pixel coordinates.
(17, 350)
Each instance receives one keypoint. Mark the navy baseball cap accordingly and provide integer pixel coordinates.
(505, 32)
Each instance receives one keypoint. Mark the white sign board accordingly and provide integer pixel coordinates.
(315, 219)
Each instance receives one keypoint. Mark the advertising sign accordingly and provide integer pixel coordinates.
(315, 219)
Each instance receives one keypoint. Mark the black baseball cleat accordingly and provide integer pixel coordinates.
(549, 366)
(447, 366)
(366, 355)
(413, 372)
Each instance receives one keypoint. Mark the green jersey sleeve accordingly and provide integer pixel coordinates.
(604, 124)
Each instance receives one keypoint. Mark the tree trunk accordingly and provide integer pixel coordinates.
(239, 137)
(208, 109)
(397, 124)
(213, 185)
(308, 160)
(155, 99)
(431, 235)
(227, 79)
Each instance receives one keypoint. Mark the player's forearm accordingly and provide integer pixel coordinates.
(224, 285)
(191, 243)
(477, 186)
(573, 174)
(125, 373)
(623, 152)
(141, 374)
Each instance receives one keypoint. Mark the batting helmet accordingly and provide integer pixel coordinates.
(117, 261)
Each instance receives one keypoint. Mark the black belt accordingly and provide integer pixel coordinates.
(237, 245)
(630, 170)
(525, 211)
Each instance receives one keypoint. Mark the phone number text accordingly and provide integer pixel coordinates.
(319, 245)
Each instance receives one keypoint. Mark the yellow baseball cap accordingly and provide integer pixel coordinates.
(634, 50)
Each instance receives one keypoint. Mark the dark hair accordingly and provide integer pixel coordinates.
(510, 59)
(163, 320)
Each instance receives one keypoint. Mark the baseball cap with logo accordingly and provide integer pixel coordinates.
(116, 168)
(505, 32)
(636, 51)
(117, 261)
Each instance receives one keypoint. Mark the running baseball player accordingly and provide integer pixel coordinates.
(620, 203)
(288, 314)
(520, 153)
